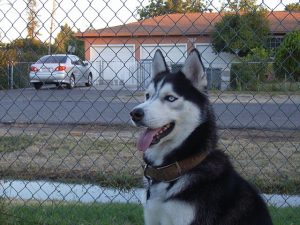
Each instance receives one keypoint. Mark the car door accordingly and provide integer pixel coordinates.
(81, 71)
(84, 71)
(76, 69)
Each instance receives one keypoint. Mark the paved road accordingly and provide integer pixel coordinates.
(82, 105)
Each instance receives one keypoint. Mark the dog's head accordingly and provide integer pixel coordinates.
(173, 106)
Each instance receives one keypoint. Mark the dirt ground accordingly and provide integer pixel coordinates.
(97, 153)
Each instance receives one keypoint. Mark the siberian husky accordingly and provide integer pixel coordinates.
(189, 181)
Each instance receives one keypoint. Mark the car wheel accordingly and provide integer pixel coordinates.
(90, 81)
(71, 84)
(37, 86)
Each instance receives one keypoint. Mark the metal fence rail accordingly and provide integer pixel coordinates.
(66, 152)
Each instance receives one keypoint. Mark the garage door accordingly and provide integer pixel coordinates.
(173, 53)
(213, 60)
(175, 56)
(113, 63)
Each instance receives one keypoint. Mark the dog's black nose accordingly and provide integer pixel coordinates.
(137, 114)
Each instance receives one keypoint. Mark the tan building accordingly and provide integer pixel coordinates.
(122, 54)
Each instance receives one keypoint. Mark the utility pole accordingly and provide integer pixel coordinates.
(238, 4)
(51, 24)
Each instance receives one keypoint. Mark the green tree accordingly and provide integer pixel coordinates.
(28, 50)
(22, 51)
(155, 8)
(239, 33)
(250, 71)
(6, 54)
(32, 24)
(240, 6)
(162, 7)
(293, 7)
(65, 38)
(195, 6)
(287, 57)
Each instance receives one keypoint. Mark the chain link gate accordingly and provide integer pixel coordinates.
(68, 155)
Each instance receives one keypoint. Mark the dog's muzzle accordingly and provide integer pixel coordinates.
(137, 115)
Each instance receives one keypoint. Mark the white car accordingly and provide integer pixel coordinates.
(60, 69)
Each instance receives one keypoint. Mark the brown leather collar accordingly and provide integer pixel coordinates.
(173, 171)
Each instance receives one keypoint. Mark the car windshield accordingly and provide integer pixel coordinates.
(52, 59)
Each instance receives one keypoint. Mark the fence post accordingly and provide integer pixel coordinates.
(8, 69)
(10, 75)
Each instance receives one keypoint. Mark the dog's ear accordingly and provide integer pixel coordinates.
(193, 69)
(159, 64)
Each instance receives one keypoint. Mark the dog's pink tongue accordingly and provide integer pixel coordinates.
(145, 139)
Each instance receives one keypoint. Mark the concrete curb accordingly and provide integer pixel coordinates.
(89, 193)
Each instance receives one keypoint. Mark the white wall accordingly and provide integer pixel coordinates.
(221, 60)
(173, 53)
(113, 63)
(214, 60)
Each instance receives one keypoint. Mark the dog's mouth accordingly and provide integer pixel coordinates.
(153, 136)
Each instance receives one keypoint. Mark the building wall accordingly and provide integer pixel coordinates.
(222, 63)
(138, 41)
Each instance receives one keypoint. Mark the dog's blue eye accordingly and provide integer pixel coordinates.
(170, 98)
(147, 95)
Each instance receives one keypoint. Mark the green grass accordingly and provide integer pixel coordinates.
(265, 88)
(3, 211)
(104, 214)
(15, 143)
(285, 216)
(75, 214)
(279, 86)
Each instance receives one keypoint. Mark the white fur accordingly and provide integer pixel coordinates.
(157, 211)
(161, 208)
(194, 71)
(158, 64)
(159, 112)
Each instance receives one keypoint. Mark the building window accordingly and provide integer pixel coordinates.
(274, 42)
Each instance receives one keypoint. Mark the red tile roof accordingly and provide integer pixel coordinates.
(189, 24)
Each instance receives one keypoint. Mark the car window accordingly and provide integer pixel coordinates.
(74, 60)
(80, 62)
(77, 61)
(69, 59)
(52, 59)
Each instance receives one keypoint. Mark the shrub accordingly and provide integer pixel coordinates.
(21, 51)
(254, 68)
(287, 57)
(6, 54)
(3, 78)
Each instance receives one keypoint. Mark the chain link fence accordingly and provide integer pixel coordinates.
(67, 145)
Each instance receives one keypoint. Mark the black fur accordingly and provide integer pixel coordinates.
(221, 195)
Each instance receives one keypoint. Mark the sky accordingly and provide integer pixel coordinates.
(82, 14)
